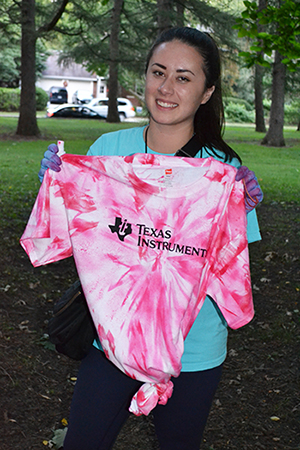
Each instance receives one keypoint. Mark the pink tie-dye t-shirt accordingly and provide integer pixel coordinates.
(151, 237)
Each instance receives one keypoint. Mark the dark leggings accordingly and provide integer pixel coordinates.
(102, 397)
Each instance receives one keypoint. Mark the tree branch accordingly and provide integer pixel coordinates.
(50, 26)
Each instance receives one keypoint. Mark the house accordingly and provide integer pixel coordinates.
(74, 77)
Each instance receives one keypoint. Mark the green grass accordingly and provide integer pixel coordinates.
(278, 169)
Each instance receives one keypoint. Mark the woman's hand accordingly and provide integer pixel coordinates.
(253, 192)
(50, 161)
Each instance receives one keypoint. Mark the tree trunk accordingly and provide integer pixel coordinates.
(164, 13)
(259, 108)
(274, 136)
(113, 115)
(27, 124)
(179, 15)
(260, 125)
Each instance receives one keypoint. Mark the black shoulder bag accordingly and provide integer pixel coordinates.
(71, 328)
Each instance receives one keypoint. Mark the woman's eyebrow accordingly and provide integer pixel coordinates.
(178, 70)
(185, 70)
(159, 65)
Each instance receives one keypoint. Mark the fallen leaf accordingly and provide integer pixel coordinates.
(265, 280)
(45, 396)
(270, 255)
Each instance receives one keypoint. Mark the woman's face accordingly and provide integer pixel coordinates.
(175, 84)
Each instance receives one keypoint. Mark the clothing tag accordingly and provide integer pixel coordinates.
(168, 177)
(60, 145)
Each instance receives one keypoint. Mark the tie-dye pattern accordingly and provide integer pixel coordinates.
(148, 249)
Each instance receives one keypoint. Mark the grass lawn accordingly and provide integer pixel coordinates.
(257, 402)
(278, 169)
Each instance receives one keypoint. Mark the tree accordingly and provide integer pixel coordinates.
(274, 136)
(22, 14)
(140, 22)
(280, 39)
(260, 125)
(27, 124)
(164, 15)
(113, 115)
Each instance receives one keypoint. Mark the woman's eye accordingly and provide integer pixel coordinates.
(183, 79)
(158, 73)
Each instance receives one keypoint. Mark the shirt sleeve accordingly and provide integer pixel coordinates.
(253, 233)
(46, 238)
(96, 148)
(230, 282)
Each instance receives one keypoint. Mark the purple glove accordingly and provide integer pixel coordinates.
(253, 192)
(50, 161)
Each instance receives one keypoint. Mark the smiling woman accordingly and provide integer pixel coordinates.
(175, 88)
(184, 99)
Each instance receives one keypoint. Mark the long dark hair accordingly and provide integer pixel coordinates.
(209, 119)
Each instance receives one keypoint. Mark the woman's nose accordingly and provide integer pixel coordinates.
(166, 87)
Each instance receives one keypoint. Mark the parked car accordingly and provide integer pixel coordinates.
(58, 95)
(72, 110)
(100, 105)
(81, 97)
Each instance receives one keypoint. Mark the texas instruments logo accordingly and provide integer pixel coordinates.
(155, 238)
(122, 228)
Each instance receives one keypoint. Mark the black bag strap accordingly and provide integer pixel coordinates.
(190, 149)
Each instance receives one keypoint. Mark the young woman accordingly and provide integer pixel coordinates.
(183, 97)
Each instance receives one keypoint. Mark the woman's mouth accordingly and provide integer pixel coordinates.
(166, 104)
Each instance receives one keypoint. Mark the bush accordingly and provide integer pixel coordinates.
(237, 113)
(9, 99)
(41, 99)
(238, 101)
(267, 104)
(292, 113)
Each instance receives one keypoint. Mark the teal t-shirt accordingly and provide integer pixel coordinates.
(205, 346)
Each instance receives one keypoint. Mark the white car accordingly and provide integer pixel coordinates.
(100, 106)
(81, 97)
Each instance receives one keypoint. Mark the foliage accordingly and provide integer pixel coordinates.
(85, 46)
(282, 24)
(41, 55)
(9, 99)
(292, 113)
(41, 99)
(138, 29)
(9, 62)
(58, 438)
(239, 101)
(10, 59)
(235, 112)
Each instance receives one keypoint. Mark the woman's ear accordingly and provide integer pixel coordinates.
(207, 94)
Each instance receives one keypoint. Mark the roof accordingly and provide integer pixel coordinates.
(71, 70)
